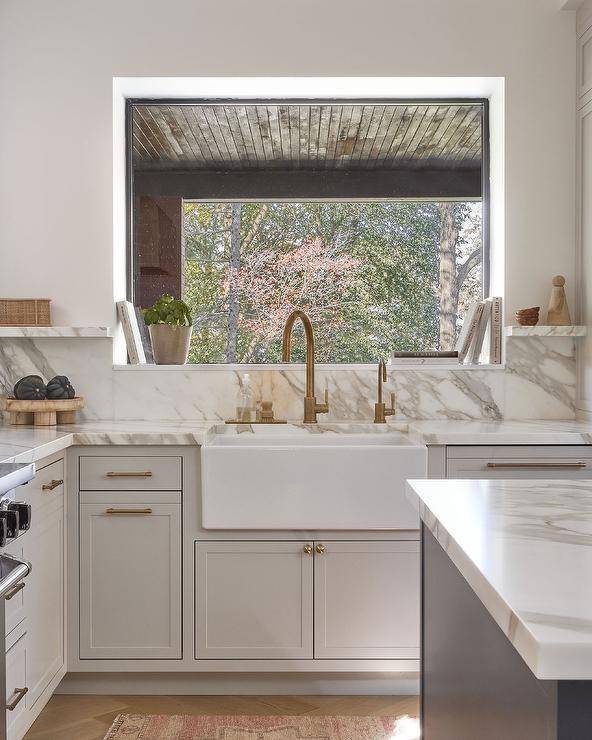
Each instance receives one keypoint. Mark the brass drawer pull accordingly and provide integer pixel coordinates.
(52, 485)
(307, 549)
(541, 465)
(14, 591)
(128, 511)
(18, 695)
(139, 474)
(320, 548)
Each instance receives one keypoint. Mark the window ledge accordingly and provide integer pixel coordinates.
(321, 367)
(40, 332)
(546, 331)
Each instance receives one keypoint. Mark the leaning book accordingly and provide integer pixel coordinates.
(468, 329)
(131, 332)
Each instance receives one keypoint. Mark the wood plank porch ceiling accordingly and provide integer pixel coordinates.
(285, 137)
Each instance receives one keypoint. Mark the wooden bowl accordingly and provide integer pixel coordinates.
(527, 321)
(528, 316)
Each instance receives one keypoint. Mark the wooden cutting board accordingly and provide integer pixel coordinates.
(43, 413)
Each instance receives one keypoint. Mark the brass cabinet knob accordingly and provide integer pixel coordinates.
(307, 549)
(52, 485)
(320, 548)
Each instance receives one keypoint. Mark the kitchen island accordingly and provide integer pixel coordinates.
(506, 609)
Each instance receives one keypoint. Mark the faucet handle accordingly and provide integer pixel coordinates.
(323, 408)
(393, 407)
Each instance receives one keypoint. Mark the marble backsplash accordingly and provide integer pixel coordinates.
(538, 382)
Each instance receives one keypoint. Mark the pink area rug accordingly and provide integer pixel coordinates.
(197, 727)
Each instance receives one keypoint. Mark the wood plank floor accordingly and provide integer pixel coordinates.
(85, 717)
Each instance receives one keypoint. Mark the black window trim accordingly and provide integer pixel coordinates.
(485, 155)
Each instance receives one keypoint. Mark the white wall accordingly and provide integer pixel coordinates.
(584, 206)
(58, 59)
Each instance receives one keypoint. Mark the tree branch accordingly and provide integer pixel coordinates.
(466, 267)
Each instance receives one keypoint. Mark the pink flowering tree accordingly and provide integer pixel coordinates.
(311, 276)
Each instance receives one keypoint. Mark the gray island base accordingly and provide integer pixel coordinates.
(506, 608)
(475, 685)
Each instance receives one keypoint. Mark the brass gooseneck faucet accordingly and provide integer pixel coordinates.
(311, 407)
(380, 409)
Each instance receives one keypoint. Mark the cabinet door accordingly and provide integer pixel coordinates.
(254, 600)
(367, 600)
(43, 546)
(130, 580)
(16, 684)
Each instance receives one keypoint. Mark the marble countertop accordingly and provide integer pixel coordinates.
(30, 444)
(528, 432)
(525, 548)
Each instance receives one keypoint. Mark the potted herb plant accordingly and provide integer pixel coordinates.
(169, 322)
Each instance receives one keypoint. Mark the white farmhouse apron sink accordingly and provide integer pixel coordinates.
(294, 478)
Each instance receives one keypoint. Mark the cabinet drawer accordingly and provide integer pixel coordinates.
(16, 683)
(523, 452)
(131, 473)
(572, 462)
(46, 488)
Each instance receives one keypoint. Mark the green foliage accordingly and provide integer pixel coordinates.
(373, 289)
(168, 310)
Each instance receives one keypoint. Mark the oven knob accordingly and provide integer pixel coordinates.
(11, 517)
(24, 512)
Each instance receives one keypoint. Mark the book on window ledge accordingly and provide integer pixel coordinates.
(468, 329)
(480, 339)
(424, 358)
(474, 355)
(495, 331)
(131, 332)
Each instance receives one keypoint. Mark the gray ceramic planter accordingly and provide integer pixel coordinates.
(170, 344)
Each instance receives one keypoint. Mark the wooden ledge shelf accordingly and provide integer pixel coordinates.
(546, 331)
(40, 332)
(43, 413)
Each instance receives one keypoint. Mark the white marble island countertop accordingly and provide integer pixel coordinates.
(30, 444)
(525, 548)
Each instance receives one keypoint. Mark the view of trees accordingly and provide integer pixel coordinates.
(373, 277)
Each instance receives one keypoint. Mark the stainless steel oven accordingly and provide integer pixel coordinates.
(12, 573)
(15, 516)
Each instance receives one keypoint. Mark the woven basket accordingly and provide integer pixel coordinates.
(25, 312)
